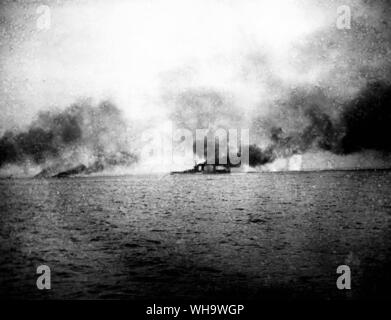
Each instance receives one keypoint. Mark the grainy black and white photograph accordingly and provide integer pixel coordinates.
(185, 150)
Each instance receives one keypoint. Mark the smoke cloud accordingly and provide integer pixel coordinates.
(304, 123)
(95, 136)
(281, 69)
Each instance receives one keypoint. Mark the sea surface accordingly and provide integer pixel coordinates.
(247, 236)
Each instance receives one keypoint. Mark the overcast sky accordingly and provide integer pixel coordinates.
(130, 50)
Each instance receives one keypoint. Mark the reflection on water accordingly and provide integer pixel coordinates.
(256, 235)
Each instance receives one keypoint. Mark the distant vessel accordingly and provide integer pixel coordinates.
(216, 167)
(204, 167)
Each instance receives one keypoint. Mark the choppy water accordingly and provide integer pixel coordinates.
(250, 236)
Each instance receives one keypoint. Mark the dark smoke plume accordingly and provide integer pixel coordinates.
(305, 119)
(81, 134)
(307, 124)
(367, 120)
(88, 139)
(258, 157)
